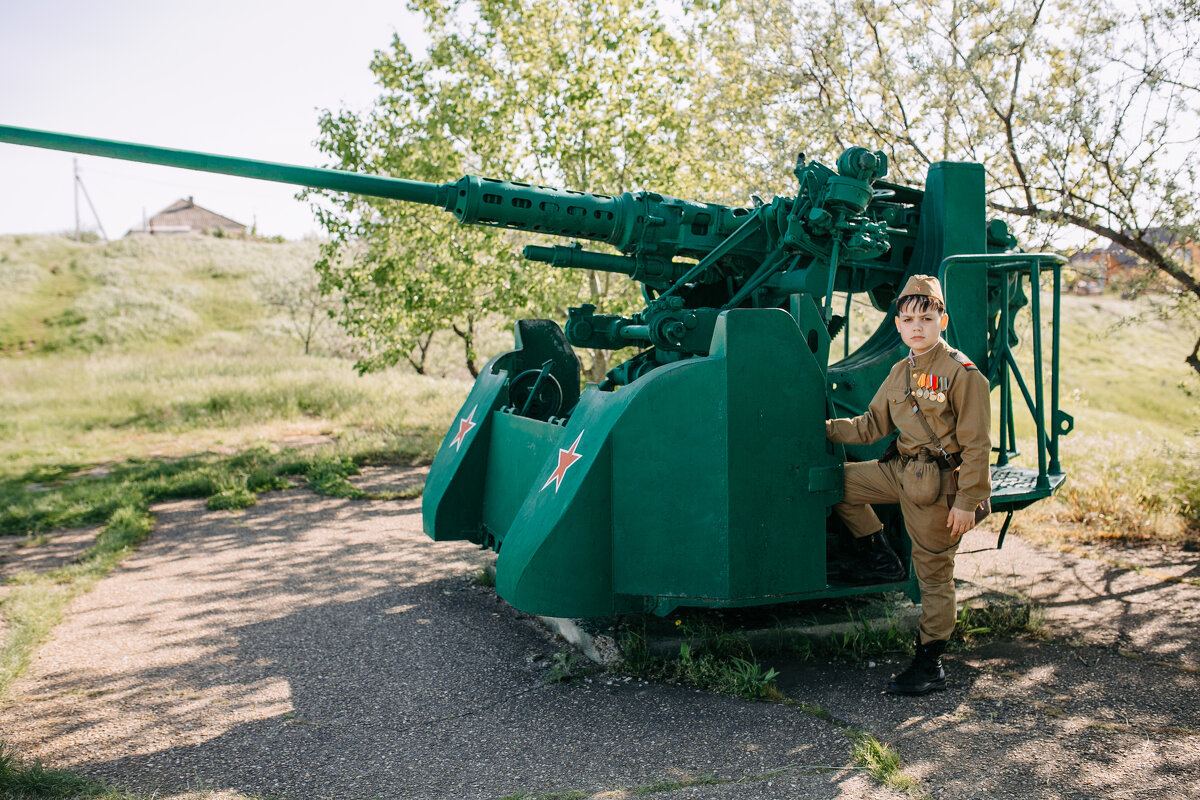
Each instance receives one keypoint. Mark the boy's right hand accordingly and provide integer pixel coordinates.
(959, 522)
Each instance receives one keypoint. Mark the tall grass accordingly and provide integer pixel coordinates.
(82, 409)
(1133, 461)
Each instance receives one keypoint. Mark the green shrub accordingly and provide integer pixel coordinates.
(232, 499)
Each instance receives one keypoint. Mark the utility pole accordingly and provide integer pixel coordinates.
(75, 184)
(78, 188)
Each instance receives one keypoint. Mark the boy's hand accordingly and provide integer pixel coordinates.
(959, 522)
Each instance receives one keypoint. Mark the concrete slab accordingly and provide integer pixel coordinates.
(769, 629)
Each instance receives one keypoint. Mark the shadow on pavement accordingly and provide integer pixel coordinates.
(311, 647)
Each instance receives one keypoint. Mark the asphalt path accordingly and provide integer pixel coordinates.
(311, 647)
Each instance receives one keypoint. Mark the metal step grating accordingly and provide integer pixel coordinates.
(1015, 487)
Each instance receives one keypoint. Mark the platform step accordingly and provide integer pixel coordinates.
(1017, 487)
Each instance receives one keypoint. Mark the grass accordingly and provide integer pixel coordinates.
(863, 641)
(1133, 461)
(30, 780)
(567, 666)
(875, 757)
(998, 620)
(210, 395)
(882, 762)
(20, 780)
(710, 659)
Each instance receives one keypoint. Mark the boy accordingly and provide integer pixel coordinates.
(939, 403)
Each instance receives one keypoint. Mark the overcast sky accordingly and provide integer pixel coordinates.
(236, 78)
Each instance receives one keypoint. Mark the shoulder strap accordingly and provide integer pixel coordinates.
(961, 358)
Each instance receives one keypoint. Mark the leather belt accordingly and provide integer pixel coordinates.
(951, 461)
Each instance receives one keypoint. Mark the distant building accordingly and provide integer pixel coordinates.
(185, 218)
(1100, 267)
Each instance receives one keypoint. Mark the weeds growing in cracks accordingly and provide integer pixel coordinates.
(708, 659)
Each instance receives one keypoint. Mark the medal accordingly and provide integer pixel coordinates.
(941, 398)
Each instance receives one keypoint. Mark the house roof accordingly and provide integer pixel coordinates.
(184, 212)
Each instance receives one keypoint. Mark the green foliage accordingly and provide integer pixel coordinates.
(566, 666)
(709, 658)
(862, 640)
(1041, 94)
(22, 780)
(328, 476)
(747, 679)
(235, 384)
(1004, 619)
(137, 293)
(881, 761)
(584, 95)
(232, 499)
(672, 785)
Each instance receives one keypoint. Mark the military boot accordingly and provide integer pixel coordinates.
(875, 562)
(925, 673)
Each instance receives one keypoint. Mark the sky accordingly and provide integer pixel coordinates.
(237, 78)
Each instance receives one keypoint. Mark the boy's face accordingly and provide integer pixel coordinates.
(920, 330)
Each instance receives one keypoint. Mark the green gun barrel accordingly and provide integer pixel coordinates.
(474, 200)
(336, 180)
(655, 226)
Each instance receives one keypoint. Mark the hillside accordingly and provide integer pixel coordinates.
(165, 347)
(168, 347)
(62, 295)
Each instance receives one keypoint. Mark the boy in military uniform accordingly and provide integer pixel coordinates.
(939, 404)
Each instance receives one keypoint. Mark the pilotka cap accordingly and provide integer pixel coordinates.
(925, 286)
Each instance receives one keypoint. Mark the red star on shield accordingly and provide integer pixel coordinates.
(565, 459)
(464, 425)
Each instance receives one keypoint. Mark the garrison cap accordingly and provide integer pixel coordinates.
(924, 286)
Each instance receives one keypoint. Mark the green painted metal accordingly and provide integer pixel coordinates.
(1004, 275)
(336, 180)
(698, 473)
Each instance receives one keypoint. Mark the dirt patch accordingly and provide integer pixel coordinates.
(403, 481)
(43, 552)
(40, 553)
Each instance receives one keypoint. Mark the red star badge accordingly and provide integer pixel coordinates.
(464, 425)
(565, 459)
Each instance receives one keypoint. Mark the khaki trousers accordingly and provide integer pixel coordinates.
(933, 548)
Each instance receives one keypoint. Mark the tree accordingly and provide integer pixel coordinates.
(1085, 117)
(586, 95)
(306, 307)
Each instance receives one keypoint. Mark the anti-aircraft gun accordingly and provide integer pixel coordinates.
(698, 473)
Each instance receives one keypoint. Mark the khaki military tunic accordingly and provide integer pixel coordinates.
(959, 413)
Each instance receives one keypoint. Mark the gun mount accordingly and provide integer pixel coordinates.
(698, 473)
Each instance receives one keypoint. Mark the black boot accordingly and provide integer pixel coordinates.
(875, 562)
(925, 673)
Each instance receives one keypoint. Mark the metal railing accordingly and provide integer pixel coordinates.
(1002, 364)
